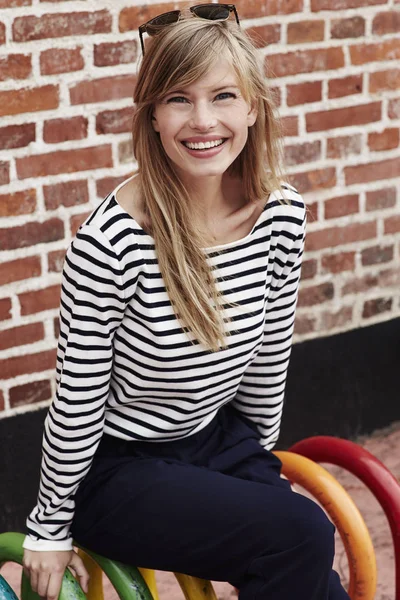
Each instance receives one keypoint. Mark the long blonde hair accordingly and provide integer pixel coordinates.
(177, 56)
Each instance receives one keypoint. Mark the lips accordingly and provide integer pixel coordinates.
(204, 145)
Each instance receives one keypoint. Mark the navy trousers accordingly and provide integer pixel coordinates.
(212, 505)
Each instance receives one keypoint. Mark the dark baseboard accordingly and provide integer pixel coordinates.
(345, 385)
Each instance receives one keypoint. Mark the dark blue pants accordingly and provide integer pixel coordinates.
(211, 505)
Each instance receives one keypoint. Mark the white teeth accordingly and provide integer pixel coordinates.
(203, 145)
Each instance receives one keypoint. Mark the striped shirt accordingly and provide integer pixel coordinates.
(126, 367)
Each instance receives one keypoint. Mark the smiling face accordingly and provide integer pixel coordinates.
(204, 126)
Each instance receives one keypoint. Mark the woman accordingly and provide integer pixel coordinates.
(176, 320)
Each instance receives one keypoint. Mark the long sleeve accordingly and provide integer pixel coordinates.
(261, 391)
(91, 309)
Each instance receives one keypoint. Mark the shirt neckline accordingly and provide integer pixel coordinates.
(208, 249)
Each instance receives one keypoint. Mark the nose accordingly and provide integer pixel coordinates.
(203, 116)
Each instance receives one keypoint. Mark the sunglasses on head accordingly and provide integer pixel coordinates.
(210, 12)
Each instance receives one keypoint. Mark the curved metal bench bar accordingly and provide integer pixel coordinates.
(371, 471)
(345, 516)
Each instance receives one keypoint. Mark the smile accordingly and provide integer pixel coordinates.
(204, 145)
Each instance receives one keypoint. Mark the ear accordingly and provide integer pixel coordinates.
(252, 115)
(155, 124)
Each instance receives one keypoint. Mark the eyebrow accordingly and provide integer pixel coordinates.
(228, 85)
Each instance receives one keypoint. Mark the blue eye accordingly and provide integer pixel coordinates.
(228, 94)
(176, 99)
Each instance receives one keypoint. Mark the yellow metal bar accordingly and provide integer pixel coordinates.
(150, 578)
(194, 588)
(345, 516)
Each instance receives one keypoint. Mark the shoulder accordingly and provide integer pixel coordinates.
(287, 208)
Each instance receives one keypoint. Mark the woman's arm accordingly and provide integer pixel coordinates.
(261, 391)
(92, 307)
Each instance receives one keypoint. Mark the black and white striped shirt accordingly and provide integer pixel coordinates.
(126, 367)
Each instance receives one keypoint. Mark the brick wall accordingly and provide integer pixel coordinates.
(67, 71)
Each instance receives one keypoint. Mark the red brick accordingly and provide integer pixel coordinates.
(106, 185)
(376, 307)
(56, 260)
(337, 263)
(348, 28)
(376, 255)
(125, 152)
(28, 363)
(341, 206)
(4, 172)
(18, 203)
(290, 125)
(106, 55)
(312, 212)
(14, 3)
(345, 86)
(63, 130)
(394, 108)
(303, 93)
(309, 268)
(77, 220)
(14, 102)
(2, 33)
(115, 121)
(392, 224)
(372, 171)
(15, 66)
(68, 193)
(314, 180)
(19, 336)
(31, 234)
(56, 25)
(2, 403)
(5, 309)
(37, 301)
(17, 136)
(389, 278)
(264, 35)
(103, 90)
(131, 17)
(19, 269)
(317, 5)
(297, 154)
(316, 294)
(386, 22)
(303, 61)
(365, 53)
(381, 199)
(30, 393)
(61, 60)
(337, 319)
(337, 236)
(305, 31)
(344, 117)
(304, 325)
(360, 285)
(253, 9)
(65, 161)
(384, 80)
(56, 325)
(342, 146)
(385, 140)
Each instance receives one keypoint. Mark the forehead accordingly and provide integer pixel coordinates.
(220, 74)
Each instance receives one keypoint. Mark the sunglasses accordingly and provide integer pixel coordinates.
(211, 12)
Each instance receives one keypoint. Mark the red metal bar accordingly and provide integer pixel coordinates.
(369, 470)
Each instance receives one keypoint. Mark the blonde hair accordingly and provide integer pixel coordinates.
(177, 56)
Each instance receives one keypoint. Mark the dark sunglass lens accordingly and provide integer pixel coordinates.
(168, 18)
(213, 13)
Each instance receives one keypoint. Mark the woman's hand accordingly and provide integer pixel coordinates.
(46, 571)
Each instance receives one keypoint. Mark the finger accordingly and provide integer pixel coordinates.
(33, 578)
(54, 586)
(43, 583)
(77, 564)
